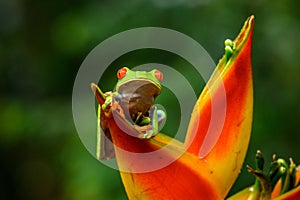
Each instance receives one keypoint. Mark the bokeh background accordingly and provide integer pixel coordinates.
(43, 43)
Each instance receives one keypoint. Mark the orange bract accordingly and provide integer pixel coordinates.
(190, 176)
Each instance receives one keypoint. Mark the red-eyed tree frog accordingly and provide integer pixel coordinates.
(134, 99)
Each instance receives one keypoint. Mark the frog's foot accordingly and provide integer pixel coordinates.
(115, 106)
(145, 135)
(155, 120)
(146, 132)
(109, 94)
(149, 135)
(109, 99)
(144, 121)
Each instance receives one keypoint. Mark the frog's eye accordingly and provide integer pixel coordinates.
(121, 73)
(159, 75)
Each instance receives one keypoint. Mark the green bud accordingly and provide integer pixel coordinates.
(259, 160)
(228, 42)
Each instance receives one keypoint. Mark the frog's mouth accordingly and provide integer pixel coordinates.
(143, 87)
(137, 97)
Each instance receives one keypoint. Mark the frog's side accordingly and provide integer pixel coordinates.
(135, 94)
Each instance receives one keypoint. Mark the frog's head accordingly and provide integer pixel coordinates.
(127, 78)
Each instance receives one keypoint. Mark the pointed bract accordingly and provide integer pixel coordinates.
(233, 123)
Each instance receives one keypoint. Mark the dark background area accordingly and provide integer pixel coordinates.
(43, 43)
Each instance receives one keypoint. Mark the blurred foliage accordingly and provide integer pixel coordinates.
(43, 43)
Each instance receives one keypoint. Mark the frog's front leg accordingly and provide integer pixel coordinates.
(109, 96)
(111, 104)
(157, 118)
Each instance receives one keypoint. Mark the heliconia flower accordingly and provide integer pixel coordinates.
(206, 165)
(281, 182)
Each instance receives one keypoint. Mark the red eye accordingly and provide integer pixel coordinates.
(121, 73)
(159, 75)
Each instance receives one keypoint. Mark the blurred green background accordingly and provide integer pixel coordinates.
(43, 43)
